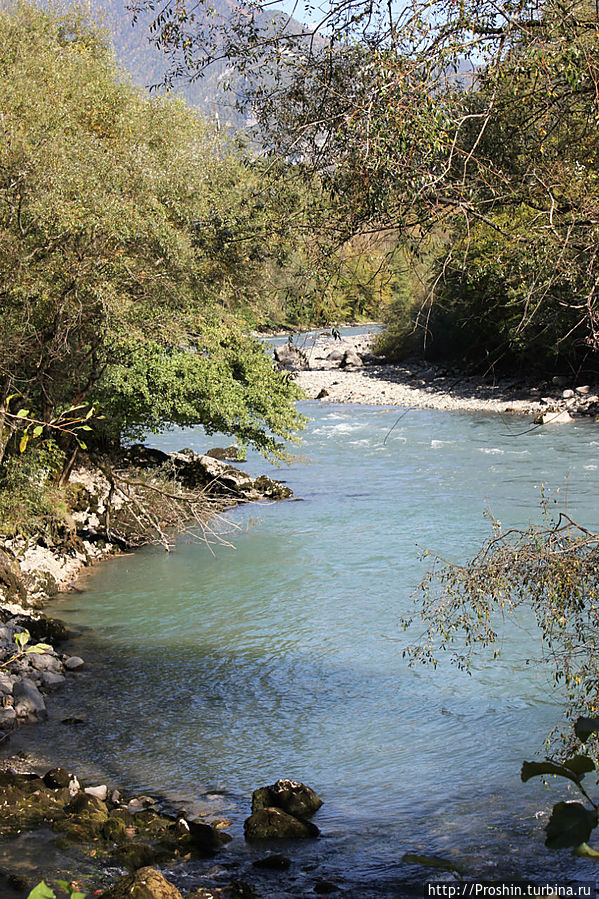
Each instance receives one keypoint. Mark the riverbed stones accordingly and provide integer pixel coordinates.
(147, 883)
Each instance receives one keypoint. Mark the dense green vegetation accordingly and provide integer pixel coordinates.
(469, 131)
(138, 248)
(115, 275)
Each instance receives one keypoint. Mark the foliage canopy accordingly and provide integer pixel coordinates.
(474, 121)
(126, 228)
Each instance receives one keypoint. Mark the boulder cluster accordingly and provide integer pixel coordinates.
(102, 823)
(322, 354)
(27, 676)
(136, 833)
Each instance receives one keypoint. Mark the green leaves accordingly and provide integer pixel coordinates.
(22, 639)
(111, 257)
(42, 891)
(573, 770)
(570, 825)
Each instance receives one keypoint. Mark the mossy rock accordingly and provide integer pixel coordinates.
(114, 830)
(138, 855)
(83, 803)
(123, 815)
(24, 810)
(146, 883)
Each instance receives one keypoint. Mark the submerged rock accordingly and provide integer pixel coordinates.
(273, 863)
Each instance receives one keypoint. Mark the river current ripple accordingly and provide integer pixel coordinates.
(214, 671)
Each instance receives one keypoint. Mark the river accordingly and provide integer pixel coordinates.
(213, 671)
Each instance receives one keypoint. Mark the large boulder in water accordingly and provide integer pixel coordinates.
(291, 796)
(147, 883)
(280, 812)
(275, 824)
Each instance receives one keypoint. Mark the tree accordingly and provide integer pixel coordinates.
(125, 229)
(440, 118)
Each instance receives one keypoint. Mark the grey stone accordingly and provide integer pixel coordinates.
(139, 804)
(73, 663)
(44, 662)
(8, 718)
(52, 680)
(567, 394)
(6, 682)
(289, 356)
(583, 389)
(351, 360)
(336, 356)
(5, 634)
(29, 702)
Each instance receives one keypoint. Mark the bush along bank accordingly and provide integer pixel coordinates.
(108, 505)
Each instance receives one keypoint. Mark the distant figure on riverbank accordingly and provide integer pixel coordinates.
(335, 331)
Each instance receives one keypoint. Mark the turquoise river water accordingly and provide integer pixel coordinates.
(213, 671)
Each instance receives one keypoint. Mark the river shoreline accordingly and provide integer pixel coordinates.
(32, 572)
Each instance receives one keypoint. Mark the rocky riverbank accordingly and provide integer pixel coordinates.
(347, 371)
(97, 833)
(141, 496)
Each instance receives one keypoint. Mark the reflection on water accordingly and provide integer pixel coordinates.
(212, 674)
